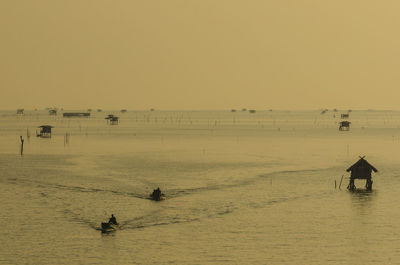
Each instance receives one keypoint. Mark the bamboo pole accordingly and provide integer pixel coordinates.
(22, 145)
(341, 182)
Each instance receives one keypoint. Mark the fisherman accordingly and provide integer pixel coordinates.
(113, 220)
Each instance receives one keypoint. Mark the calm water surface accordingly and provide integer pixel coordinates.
(241, 188)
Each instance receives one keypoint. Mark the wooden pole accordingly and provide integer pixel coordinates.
(341, 182)
(22, 145)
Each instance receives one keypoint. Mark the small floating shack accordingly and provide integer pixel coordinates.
(45, 131)
(344, 126)
(361, 170)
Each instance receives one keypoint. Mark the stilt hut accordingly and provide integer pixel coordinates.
(361, 170)
(45, 131)
(344, 126)
(109, 117)
(114, 120)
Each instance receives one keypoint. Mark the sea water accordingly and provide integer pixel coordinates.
(241, 188)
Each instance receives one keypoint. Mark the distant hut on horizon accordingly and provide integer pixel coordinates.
(344, 116)
(20, 111)
(114, 120)
(111, 119)
(361, 170)
(344, 126)
(123, 111)
(252, 111)
(45, 131)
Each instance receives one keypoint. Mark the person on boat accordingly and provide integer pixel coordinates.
(113, 220)
(157, 193)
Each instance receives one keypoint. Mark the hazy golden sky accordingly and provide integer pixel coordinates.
(200, 54)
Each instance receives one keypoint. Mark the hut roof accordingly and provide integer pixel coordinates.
(45, 126)
(361, 163)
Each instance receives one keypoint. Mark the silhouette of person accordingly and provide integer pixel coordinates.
(113, 220)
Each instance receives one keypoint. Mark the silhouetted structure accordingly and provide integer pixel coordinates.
(76, 114)
(114, 120)
(123, 110)
(344, 126)
(45, 131)
(109, 117)
(344, 116)
(20, 111)
(252, 111)
(361, 170)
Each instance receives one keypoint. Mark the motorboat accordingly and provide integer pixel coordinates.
(109, 227)
(157, 195)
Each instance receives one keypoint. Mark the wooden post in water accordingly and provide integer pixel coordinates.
(28, 134)
(22, 145)
(341, 182)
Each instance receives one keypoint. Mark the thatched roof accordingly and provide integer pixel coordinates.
(45, 126)
(345, 123)
(361, 163)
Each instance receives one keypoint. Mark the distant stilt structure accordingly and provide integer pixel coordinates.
(45, 131)
(361, 170)
(344, 126)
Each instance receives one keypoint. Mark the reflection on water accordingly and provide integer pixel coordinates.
(362, 201)
(239, 191)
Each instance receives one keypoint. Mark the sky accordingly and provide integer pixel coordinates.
(200, 54)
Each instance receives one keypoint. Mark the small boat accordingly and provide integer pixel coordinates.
(157, 195)
(109, 227)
